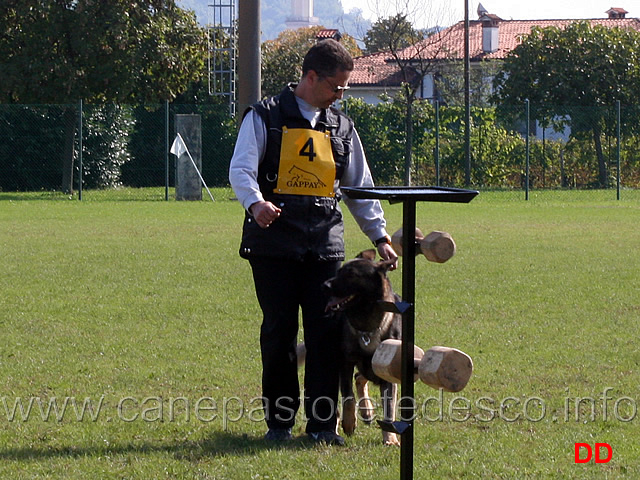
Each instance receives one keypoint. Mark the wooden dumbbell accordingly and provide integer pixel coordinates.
(387, 360)
(446, 368)
(437, 246)
(438, 367)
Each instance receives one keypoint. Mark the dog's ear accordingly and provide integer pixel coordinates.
(367, 254)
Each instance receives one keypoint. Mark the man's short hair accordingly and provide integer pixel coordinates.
(326, 58)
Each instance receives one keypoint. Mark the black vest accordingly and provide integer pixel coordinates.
(309, 226)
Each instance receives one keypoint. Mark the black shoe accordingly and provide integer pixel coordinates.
(327, 438)
(278, 435)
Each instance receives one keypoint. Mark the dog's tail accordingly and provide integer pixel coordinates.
(301, 354)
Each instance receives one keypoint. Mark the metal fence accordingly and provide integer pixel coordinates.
(100, 147)
(512, 147)
(104, 147)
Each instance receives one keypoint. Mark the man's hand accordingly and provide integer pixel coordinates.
(264, 213)
(387, 252)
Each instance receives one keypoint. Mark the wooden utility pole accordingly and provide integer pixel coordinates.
(248, 54)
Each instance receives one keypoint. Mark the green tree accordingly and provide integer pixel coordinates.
(59, 51)
(282, 57)
(416, 55)
(107, 131)
(392, 33)
(574, 77)
(498, 153)
(450, 82)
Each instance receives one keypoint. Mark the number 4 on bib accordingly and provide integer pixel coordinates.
(307, 150)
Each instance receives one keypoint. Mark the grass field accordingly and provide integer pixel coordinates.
(143, 314)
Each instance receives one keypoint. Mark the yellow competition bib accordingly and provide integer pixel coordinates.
(307, 166)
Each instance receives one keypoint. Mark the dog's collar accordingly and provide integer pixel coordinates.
(365, 337)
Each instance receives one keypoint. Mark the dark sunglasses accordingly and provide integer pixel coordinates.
(336, 88)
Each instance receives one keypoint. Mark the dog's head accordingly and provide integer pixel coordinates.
(358, 287)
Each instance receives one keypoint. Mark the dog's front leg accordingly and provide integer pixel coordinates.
(389, 393)
(365, 406)
(348, 400)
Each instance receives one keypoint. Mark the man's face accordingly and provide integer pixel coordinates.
(326, 90)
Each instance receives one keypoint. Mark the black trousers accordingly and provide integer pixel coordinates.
(284, 287)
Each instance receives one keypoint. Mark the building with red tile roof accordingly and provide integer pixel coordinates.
(490, 38)
(333, 33)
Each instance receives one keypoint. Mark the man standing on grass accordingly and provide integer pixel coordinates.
(292, 154)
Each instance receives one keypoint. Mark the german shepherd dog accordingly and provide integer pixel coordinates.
(354, 295)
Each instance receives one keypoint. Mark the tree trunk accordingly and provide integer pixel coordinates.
(69, 118)
(603, 179)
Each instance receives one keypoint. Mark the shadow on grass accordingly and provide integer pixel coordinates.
(124, 194)
(217, 444)
(92, 196)
(31, 196)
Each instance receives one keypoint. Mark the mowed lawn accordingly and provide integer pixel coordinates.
(129, 342)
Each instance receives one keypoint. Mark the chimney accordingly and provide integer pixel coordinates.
(490, 32)
(616, 12)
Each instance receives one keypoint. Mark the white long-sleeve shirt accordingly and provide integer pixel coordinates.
(249, 151)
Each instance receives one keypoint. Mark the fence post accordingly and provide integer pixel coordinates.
(437, 152)
(618, 149)
(166, 150)
(79, 151)
(526, 104)
(467, 98)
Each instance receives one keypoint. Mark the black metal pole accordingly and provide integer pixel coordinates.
(166, 150)
(407, 403)
(80, 167)
(467, 99)
(618, 120)
(527, 158)
(437, 152)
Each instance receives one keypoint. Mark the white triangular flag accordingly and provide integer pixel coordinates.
(178, 147)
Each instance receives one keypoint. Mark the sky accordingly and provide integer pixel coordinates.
(447, 12)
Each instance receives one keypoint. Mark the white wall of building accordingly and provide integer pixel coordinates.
(370, 95)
